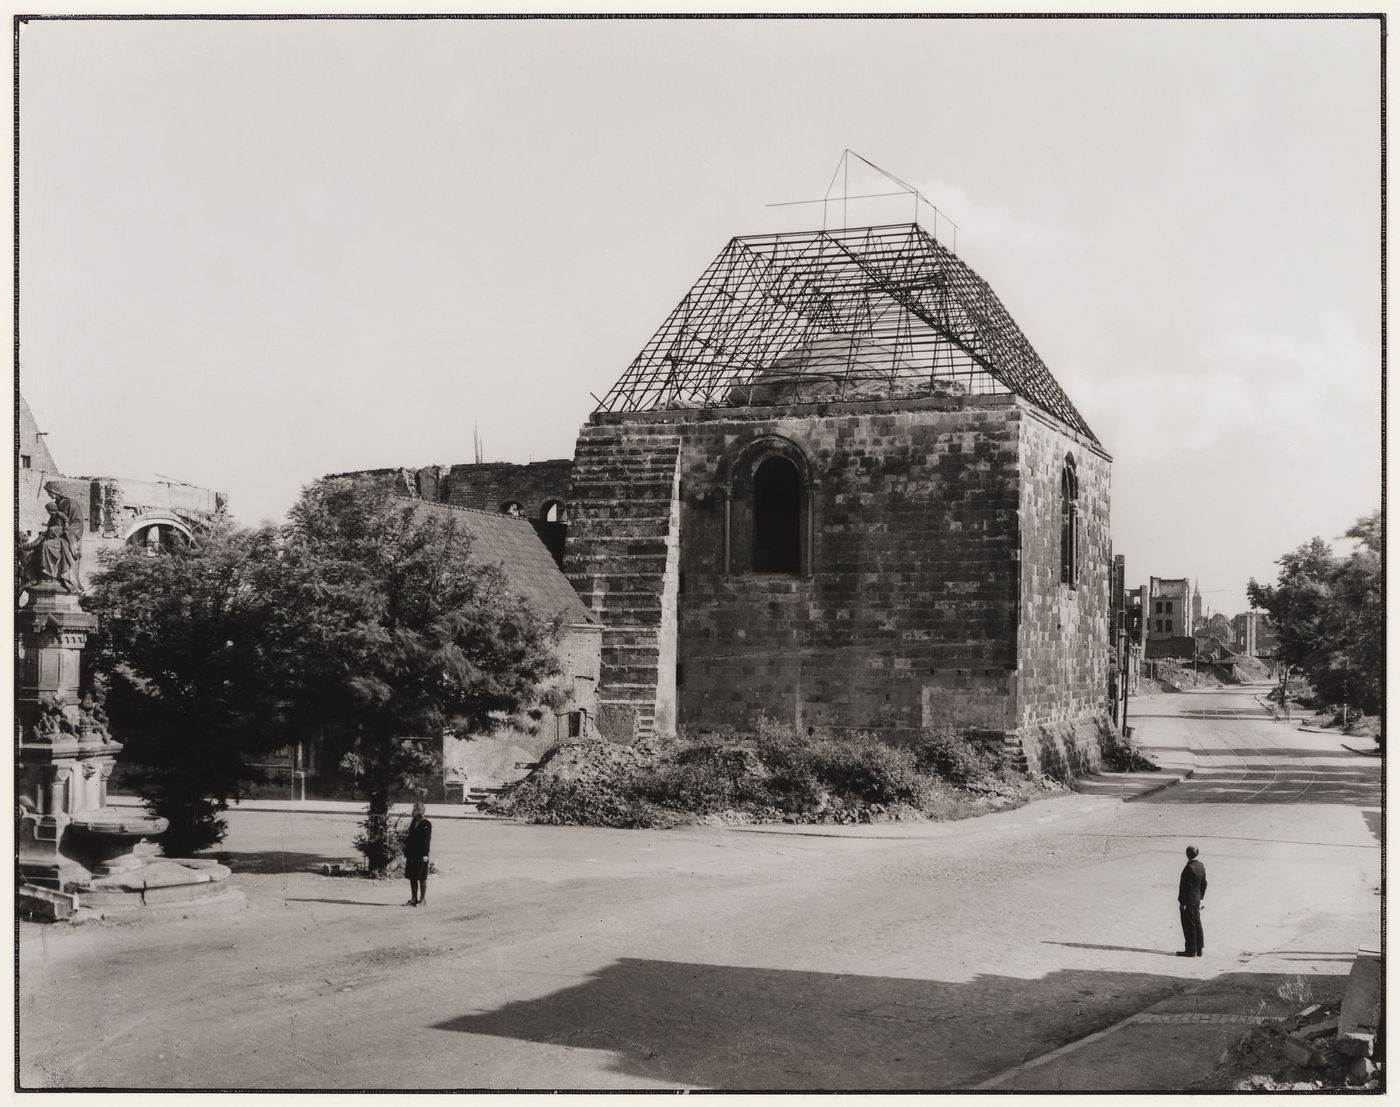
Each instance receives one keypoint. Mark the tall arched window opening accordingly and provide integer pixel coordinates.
(1069, 524)
(777, 517)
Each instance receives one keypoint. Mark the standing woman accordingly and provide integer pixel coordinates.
(415, 852)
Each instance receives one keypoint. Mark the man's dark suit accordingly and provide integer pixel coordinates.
(1189, 895)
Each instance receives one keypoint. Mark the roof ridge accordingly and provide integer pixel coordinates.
(463, 508)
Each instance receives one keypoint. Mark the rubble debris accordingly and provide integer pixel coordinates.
(1361, 1005)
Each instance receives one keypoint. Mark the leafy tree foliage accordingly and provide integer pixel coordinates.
(365, 614)
(1328, 614)
(182, 656)
(401, 634)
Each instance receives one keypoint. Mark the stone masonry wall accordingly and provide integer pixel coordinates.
(906, 617)
(1064, 649)
(489, 485)
(485, 487)
(621, 559)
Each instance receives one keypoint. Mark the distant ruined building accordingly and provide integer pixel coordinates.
(117, 511)
(839, 489)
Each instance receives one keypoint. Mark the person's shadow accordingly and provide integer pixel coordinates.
(1118, 949)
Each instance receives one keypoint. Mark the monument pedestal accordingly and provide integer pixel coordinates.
(72, 847)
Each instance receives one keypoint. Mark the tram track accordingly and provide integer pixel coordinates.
(1267, 753)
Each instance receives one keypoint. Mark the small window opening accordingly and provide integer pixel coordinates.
(777, 517)
(552, 512)
(25, 461)
(512, 508)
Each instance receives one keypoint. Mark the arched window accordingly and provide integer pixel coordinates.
(777, 517)
(1069, 524)
(512, 507)
(552, 512)
(156, 535)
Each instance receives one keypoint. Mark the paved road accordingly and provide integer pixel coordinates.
(888, 957)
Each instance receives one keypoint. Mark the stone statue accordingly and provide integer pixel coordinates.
(92, 719)
(53, 723)
(56, 554)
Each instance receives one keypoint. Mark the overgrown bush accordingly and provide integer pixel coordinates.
(777, 772)
(1121, 754)
(196, 823)
(866, 770)
(380, 839)
(707, 779)
(947, 753)
(584, 803)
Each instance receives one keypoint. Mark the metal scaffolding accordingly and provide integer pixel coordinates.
(865, 313)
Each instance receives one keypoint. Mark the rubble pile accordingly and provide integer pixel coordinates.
(593, 760)
(1324, 1047)
(1248, 670)
(777, 775)
(1175, 676)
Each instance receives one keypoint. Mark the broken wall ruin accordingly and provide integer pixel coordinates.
(923, 585)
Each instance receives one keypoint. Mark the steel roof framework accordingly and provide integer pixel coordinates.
(831, 315)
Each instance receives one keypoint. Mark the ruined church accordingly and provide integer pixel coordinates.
(837, 488)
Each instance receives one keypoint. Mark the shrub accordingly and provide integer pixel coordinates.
(1121, 754)
(196, 822)
(867, 770)
(779, 771)
(583, 803)
(380, 839)
(947, 753)
(706, 779)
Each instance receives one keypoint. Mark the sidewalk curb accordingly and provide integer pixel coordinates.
(1089, 1039)
(295, 807)
(1152, 790)
(1170, 777)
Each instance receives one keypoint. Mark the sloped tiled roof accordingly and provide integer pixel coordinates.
(513, 544)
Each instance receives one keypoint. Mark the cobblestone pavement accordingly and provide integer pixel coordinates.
(911, 956)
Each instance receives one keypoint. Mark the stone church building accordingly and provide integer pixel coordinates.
(837, 488)
(840, 489)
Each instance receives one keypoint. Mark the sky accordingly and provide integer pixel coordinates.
(254, 253)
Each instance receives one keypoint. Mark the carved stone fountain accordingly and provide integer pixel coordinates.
(75, 851)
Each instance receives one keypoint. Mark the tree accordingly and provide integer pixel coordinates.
(180, 654)
(1296, 605)
(1354, 672)
(395, 632)
(365, 614)
(1328, 615)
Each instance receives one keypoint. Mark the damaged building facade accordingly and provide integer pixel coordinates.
(117, 511)
(837, 489)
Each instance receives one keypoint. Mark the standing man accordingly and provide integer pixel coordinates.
(1188, 897)
(417, 844)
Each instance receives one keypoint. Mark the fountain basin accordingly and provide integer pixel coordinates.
(122, 825)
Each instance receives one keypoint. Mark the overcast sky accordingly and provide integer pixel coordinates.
(254, 253)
